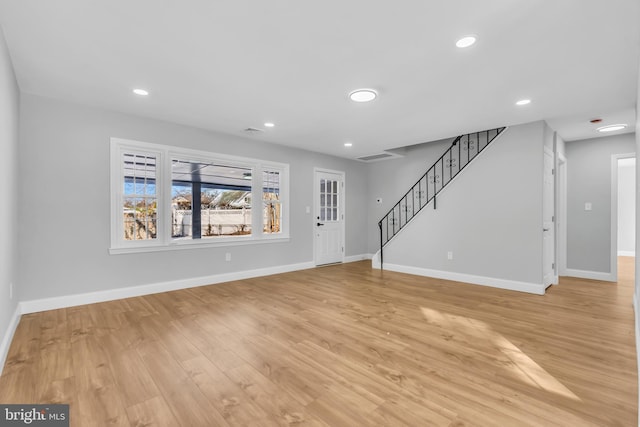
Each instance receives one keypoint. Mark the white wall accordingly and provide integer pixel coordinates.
(490, 217)
(626, 206)
(9, 109)
(64, 168)
(390, 179)
(589, 181)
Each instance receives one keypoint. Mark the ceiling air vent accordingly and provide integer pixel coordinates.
(375, 157)
(252, 130)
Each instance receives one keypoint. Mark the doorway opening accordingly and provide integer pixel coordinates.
(623, 216)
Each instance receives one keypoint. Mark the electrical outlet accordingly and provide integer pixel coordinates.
(449, 255)
(227, 256)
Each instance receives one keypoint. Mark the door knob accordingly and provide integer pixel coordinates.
(319, 224)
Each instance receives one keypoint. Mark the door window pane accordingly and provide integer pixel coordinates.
(329, 200)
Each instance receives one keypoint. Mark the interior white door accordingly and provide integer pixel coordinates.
(548, 227)
(561, 216)
(329, 217)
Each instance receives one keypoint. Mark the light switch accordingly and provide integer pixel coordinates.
(587, 206)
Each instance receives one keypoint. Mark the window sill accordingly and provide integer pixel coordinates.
(183, 244)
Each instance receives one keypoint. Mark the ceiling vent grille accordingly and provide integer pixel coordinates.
(252, 130)
(375, 157)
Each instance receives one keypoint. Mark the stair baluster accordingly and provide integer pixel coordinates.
(473, 143)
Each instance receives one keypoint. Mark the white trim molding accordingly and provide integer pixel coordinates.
(593, 275)
(33, 306)
(512, 285)
(626, 253)
(8, 336)
(356, 258)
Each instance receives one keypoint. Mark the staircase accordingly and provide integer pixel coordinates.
(462, 151)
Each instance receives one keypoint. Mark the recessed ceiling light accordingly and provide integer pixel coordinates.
(466, 41)
(523, 102)
(612, 128)
(141, 92)
(348, 144)
(363, 95)
(269, 124)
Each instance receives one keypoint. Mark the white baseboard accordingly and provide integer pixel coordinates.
(593, 275)
(532, 288)
(355, 258)
(53, 303)
(626, 253)
(8, 336)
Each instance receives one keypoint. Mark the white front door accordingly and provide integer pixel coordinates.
(548, 227)
(328, 221)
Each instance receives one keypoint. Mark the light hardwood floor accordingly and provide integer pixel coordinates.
(337, 346)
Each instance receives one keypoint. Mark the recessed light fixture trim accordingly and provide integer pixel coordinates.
(466, 41)
(612, 128)
(141, 92)
(363, 95)
(269, 124)
(348, 144)
(523, 102)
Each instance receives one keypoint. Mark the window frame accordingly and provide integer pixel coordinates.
(164, 155)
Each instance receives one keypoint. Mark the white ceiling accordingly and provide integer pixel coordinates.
(229, 65)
